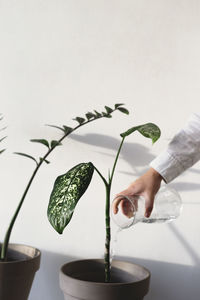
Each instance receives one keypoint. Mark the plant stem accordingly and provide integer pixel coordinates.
(4, 247)
(115, 162)
(107, 223)
(108, 234)
(102, 177)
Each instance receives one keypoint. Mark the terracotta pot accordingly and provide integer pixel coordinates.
(17, 274)
(84, 280)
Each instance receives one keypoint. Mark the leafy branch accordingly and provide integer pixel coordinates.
(89, 117)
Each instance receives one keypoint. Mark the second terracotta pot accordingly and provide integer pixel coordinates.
(84, 280)
(17, 274)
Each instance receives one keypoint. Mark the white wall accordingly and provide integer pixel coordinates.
(59, 59)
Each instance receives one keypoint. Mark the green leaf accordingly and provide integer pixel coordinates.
(148, 130)
(1, 151)
(90, 115)
(67, 191)
(41, 141)
(123, 110)
(67, 129)
(54, 126)
(79, 120)
(108, 109)
(106, 115)
(26, 155)
(118, 105)
(98, 115)
(55, 143)
(3, 138)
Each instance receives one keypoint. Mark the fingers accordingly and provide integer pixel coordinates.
(118, 198)
(116, 204)
(148, 206)
(127, 208)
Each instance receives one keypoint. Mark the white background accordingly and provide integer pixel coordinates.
(60, 59)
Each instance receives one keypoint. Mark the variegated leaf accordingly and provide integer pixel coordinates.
(67, 191)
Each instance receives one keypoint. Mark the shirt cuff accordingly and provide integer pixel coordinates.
(167, 166)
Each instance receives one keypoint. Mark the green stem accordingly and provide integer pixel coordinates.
(107, 223)
(115, 162)
(4, 247)
(103, 178)
(108, 233)
(108, 236)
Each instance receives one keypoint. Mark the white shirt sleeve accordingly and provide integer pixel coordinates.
(182, 152)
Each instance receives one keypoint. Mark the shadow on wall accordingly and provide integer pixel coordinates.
(168, 281)
(134, 154)
(46, 282)
(194, 255)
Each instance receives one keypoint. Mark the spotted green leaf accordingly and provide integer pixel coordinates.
(67, 191)
(148, 130)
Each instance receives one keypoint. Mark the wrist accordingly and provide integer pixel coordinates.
(155, 174)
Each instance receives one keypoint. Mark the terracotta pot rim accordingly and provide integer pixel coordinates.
(148, 274)
(29, 258)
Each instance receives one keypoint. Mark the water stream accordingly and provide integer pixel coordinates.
(114, 244)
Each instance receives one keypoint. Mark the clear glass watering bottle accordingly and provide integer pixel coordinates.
(130, 210)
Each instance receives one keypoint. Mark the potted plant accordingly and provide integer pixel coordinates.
(93, 279)
(18, 263)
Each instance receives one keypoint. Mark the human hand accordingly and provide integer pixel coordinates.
(128, 205)
(147, 186)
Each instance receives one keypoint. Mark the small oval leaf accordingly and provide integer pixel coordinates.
(67, 191)
(106, 115)
(55, 143)
(79, 120)
(67, 129)
(108, 109)
(97, 114)
(148, 130)
(26, 155)
(41, 141)
(3, 138)
(118, 105)
(123, 110)
(57, 127)
(90, 115)
(1, 151)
